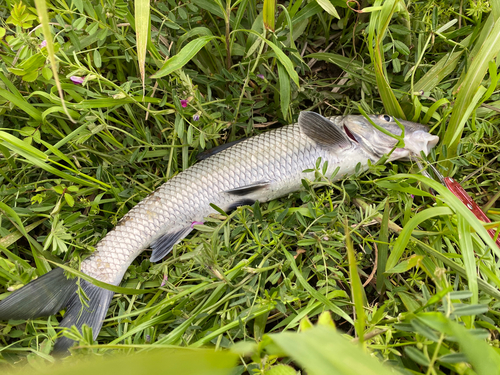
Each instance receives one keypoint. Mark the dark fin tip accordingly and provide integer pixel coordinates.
(248, 189)
(243, 202)
(78, 315)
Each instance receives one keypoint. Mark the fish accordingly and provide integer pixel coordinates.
(260, 168)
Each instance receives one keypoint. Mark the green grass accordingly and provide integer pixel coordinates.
(416, 288)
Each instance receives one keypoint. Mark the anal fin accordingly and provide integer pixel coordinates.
(163, 245)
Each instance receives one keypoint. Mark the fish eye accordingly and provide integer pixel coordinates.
(386, 118)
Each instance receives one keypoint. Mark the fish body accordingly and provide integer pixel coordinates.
(261, 168)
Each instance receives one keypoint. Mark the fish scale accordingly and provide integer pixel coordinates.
(261, 168)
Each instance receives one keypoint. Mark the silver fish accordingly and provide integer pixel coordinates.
(261, 168)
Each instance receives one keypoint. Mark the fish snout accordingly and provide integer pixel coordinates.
(420, 141)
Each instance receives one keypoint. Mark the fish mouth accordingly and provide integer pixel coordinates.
(420, 141)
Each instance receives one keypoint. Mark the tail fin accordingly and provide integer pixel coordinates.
(52, 292)
(78, 315)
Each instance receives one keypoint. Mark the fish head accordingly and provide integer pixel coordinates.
(416, 136)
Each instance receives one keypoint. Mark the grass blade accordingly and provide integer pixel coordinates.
(142, 34)
(282, 58)
(356, 286)
(268, 12)
(467, 251)
(383, 248)
(379, 22)
(468, 90)
(314, 292)
(41, 7)
(21, 103)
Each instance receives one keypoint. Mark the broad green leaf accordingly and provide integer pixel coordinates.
(404, 236)
(246, 316)
(9, 239)
(442, 69)
(268, 14)
(328, 7)
(281, 370)
(406, 265)
(484, 359)
(481, 90)
(467, 310)
(352, 66)
(211, 6)
(323, 351)
(183, 57)
(417, 356)
(157, 361)
(308, 11)
(402, 187)
(285, 91)
(41, 264)
(197, 31)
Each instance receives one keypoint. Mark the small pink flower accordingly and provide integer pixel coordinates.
(261, 76)
(196, 223)
(77, 80)
(165, 279)
(184, 103)
(43, 44)
(196, 117)
(412, 196)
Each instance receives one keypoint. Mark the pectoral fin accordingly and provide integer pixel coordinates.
(322, 131)
(248, 189)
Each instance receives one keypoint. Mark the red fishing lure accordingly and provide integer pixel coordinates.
(461, 194)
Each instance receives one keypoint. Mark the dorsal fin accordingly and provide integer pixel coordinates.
(215, 150)
(323, 131)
